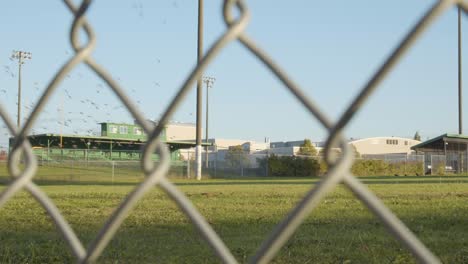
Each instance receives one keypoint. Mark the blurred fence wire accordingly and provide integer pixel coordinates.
(338, 168)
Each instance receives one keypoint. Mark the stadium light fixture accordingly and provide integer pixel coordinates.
(209, 81)
(21, 56)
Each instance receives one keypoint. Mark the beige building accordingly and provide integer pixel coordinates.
(181, 131)
(384, 145)
(177, 130)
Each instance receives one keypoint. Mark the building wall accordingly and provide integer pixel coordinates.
(253, 147)
(226, 143)
(384, 145)
(284, 151)
(281, 144)
(172, 131)
(181, 131)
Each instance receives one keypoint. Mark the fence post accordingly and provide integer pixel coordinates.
(406, 161)
(242, 164)
(216, 163)
(71, 167)
(424, 165)
(113, 165)
(188, 164)
(432, 169)
(48, 152)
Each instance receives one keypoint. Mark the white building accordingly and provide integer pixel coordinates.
(284, 151)
(366, 146)
(220, 143)
(290, 148)
(253, 147)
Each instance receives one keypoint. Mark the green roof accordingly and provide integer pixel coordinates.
(446, 135)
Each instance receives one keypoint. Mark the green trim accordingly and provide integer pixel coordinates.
(129, 131)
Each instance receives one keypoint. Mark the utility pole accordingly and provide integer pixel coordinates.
(21, 56)
(198, 147)
(460, 102)
(209, 81)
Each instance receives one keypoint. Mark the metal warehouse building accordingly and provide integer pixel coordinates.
(384, 145)
(447, 150)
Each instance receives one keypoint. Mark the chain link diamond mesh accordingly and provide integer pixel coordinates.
(339, 171)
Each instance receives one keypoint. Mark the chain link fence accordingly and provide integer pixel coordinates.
(76, 169)
(227, 164)
(339, 169)
(438, 165)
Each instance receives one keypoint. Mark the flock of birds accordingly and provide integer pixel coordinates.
(89, 111)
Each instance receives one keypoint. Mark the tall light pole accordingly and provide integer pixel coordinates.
(199, 92)
(21, 56)
(209, 81)
(460, 123)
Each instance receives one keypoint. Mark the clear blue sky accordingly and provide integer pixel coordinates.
(331, 48)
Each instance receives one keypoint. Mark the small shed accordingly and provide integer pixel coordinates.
(447, 152)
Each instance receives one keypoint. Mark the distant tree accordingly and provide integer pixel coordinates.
(417, 136)
(307, 149)
(236, 156)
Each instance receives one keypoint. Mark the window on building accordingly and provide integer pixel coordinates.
(406, 143)
(113, 129)
(123, 130)
(392, 142)
(137, 131)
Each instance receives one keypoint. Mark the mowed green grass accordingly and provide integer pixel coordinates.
(243, 212)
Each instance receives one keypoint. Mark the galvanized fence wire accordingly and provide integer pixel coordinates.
(339, 168)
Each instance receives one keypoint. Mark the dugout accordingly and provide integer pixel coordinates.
(447, 149)
(57, 147)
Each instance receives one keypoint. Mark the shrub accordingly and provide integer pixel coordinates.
(302, 167)
(289, 166)
(382, 168)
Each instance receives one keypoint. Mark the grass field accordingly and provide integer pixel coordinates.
(243, 212)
